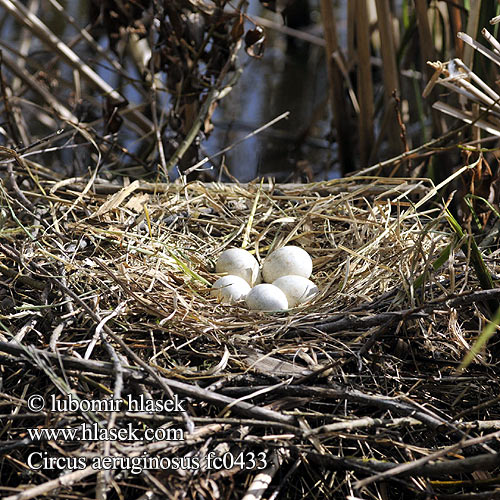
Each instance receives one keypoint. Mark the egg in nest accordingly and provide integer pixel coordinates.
(287, 260)
(266, 297)
(297, 289)
(230, 289)
(239, 262)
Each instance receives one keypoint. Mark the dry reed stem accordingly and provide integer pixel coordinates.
(482, 99)
(336, 88)
(390, 70)
(39, 88)
(365, 83)
(472, 29)
(428, 53)
(39, 29)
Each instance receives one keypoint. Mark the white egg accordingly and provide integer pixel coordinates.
(297, 289)
(266, 297)
(239, 262)
(230, 289)
(285, 261)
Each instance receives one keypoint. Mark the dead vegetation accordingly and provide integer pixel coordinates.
(107, 296)
(105, 279)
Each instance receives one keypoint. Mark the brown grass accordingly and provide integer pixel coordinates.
(124, 274)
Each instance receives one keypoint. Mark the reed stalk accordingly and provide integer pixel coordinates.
(390, 69)
(365, 83)
(472, 30)
(337, 96)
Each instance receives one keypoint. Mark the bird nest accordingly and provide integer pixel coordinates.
(109, 333)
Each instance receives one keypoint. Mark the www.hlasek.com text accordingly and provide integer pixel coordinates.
(94, 432)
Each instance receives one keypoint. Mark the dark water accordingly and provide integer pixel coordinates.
(287, 78)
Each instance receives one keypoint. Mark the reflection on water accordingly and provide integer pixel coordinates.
(284, 79)
(292, 80)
